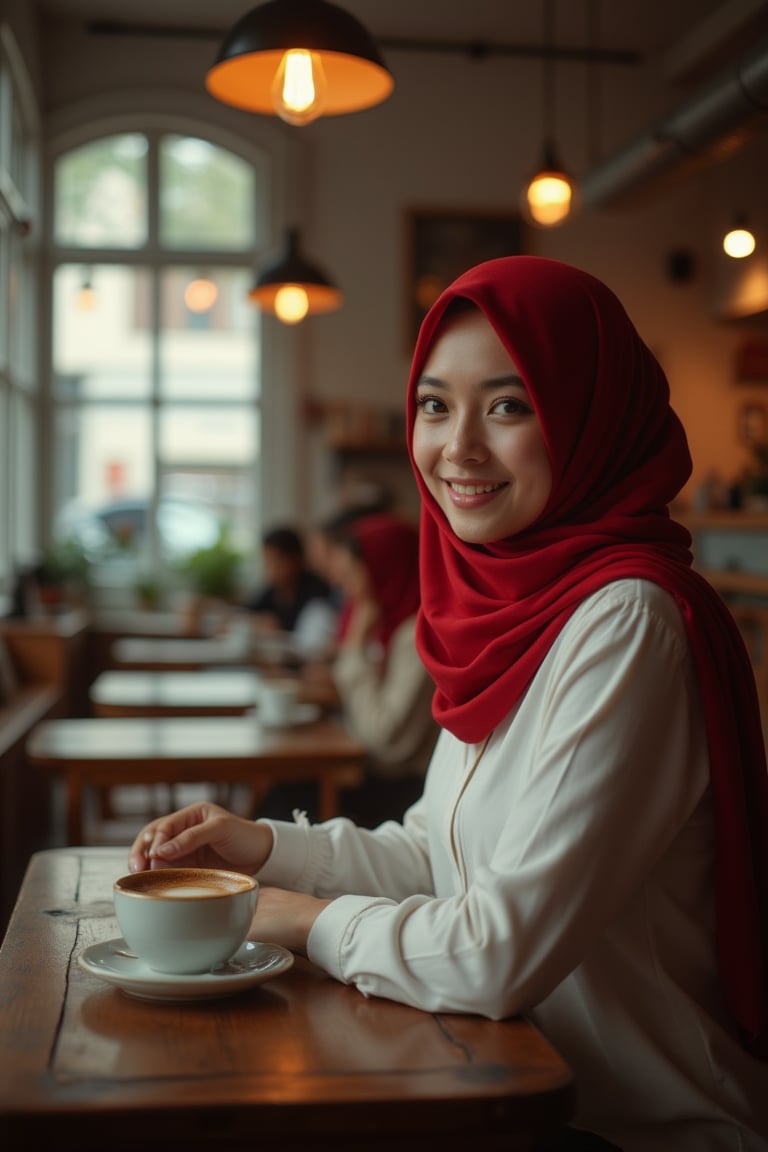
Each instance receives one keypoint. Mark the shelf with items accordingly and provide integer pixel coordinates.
(730, 549)
(353, 428)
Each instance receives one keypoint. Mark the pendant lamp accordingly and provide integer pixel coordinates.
(293, 288)
(739, 241)
(550, 196)
(86, 299)
(299, 59)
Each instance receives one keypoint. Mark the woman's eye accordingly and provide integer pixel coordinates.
(510, 406)
(430, 405)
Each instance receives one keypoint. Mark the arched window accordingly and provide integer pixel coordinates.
(155, 348)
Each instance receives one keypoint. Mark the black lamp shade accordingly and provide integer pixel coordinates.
(293, 269)
(250, 56)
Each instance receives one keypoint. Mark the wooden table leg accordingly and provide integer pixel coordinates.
(75, 798)
(328, 799)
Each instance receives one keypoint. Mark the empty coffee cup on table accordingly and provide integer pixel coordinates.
(185, 920)
(277, 700)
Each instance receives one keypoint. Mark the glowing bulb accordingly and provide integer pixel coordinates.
(298, 90)
(549, 198)
(291, 304)
(738, 243)
(86, 298)
(200, 295)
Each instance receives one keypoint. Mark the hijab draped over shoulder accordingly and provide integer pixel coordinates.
(619, 456)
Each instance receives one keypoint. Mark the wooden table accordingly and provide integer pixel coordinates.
(219, 692)
(298, 1062)
(109, 752)
(162, 653)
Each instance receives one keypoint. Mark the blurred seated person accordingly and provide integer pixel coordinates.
(322, 541)
(294, 599)
(376, 677)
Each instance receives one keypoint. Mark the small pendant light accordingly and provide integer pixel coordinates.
(739, 241)
(293, 288)
(550, 196)
(299, 59)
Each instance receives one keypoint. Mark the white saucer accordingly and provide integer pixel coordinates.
(252, 964)
(301, 714)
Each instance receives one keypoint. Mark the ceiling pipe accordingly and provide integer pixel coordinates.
(714, 124)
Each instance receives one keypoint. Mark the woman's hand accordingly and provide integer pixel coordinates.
(285, 918)
(201, 835)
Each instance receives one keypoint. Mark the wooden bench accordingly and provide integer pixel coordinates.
(40, 659)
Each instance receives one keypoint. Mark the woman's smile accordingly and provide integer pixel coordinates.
(468, 494)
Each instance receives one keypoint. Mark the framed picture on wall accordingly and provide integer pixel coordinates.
(441, 243)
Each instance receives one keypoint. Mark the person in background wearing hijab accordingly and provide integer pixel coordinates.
(381, 685)
(374, 677)
(591, 848)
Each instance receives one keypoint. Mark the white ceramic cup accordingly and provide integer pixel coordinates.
(277, 699)
(185, 920)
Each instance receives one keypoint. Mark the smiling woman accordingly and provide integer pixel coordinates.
(591, 846)
(477, 441)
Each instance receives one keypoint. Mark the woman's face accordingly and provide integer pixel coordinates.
(350, 574)
(477, 441)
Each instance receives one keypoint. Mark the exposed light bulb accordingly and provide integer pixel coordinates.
(738, 243)
(299, 87)
(200, 295)
(291, 303)
(86, 298)
(549, 197)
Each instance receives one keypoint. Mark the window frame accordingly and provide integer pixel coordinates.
(280, 163)
(19, 359)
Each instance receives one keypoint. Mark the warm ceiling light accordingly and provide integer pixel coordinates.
(200, 294)
(86, 299)
(550, 197)
(293, 288)
(299, 59)
(739, 241)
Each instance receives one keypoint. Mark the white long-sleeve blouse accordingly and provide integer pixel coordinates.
(562, 869)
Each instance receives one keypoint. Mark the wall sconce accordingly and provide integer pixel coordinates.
(299, 59)
(550, 196)
(739, 241)
(293, 288)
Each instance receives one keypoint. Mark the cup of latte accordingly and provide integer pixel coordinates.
(185, 920)
(277, 699)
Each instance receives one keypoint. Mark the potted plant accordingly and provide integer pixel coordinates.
(214, 571)
(149, 590)
(63, 576)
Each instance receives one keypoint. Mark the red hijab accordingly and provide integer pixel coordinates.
(619, 456)
(389, 547)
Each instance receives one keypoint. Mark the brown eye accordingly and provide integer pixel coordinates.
(511, 406)
(430, 405)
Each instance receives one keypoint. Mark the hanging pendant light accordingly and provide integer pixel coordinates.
(86, 299)
(299, 59)
(739, 241)
(293, 288)
(201, 293)
(551, 195)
